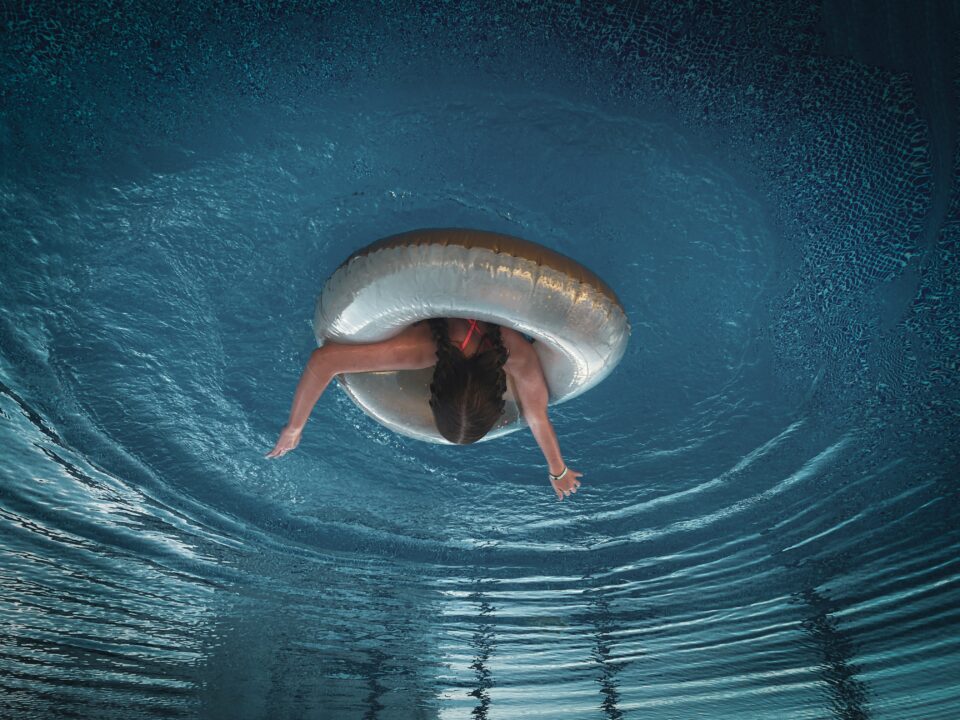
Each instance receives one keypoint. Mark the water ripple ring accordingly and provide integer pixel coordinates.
(579, 328)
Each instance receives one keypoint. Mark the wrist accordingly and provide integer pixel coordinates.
(557, 473)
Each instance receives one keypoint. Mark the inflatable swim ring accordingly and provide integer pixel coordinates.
(579, 328)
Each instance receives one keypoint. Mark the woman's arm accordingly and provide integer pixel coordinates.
(531, 389)
(410, 350)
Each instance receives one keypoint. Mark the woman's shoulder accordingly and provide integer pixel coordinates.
(520, 352)
(514, 337)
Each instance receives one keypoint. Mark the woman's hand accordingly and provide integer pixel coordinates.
(288, 440)
(567, 484)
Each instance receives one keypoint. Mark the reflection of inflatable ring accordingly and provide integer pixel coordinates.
(578, 325)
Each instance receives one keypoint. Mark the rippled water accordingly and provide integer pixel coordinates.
(767, 525)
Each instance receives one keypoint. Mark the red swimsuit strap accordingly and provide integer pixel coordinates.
(473, 326)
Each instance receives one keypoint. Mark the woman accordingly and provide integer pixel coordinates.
(471, 359)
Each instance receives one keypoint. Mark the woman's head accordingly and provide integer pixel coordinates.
(466, 395)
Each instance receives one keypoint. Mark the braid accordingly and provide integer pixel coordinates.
(444, 369)
(499, 354)
(441, 337)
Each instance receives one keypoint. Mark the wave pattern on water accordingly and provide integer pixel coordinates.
(767, 524)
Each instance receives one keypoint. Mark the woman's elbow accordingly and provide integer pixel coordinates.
(317, 356)
(320, 362)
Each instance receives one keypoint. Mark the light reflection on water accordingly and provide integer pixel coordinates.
(766, 527)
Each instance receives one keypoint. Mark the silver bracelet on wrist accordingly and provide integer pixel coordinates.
(558, 477)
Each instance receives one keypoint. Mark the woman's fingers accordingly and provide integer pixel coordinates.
(568, 486)
(278, 451)
(287, 441)
(575, 480)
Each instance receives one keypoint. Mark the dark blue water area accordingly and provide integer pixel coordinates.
(767, 526)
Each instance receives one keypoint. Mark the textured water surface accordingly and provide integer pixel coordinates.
(767, 524)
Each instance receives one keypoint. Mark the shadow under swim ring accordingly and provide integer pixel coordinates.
(578, 325)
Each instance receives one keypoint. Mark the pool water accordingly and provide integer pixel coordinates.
(767, 526)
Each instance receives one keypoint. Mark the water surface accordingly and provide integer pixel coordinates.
(767, 524)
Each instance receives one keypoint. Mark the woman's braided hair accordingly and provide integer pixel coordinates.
(466, 394)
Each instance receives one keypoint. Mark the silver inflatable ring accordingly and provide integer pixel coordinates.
(578, 325)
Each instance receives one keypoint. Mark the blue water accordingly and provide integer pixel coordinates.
(767, 526)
